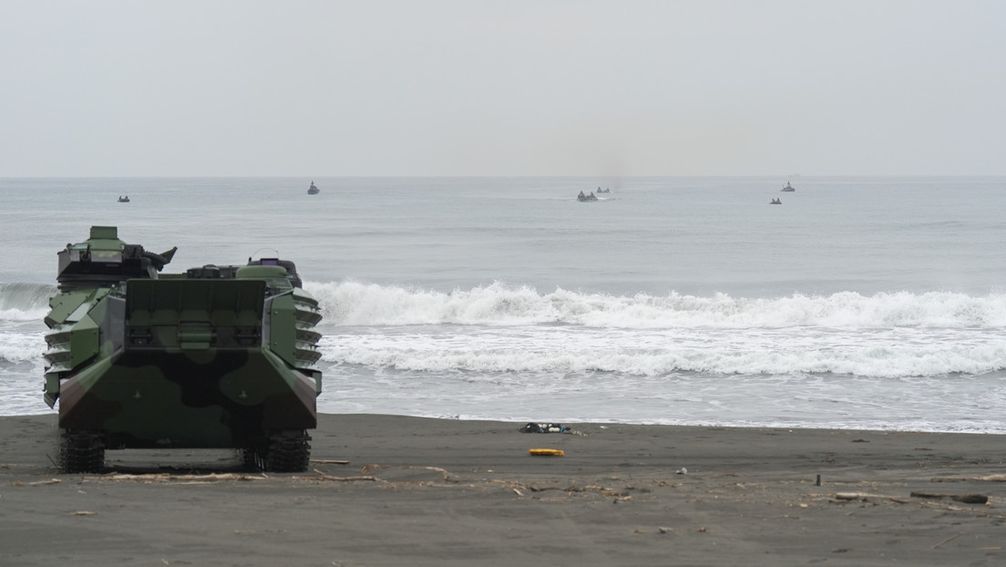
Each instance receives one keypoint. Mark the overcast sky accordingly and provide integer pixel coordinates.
(510, 87)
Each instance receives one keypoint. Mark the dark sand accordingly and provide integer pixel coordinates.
(748, 498)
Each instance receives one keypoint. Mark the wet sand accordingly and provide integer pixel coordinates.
(442, 492)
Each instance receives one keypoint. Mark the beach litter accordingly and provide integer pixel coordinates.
(545, 428)
(543, 452)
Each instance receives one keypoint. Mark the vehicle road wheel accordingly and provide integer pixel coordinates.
(289, 451)
(81, 452)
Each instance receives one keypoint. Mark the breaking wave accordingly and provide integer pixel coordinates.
(24, 301)
(353, 303)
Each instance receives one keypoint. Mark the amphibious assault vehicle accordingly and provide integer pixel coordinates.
(214, 357)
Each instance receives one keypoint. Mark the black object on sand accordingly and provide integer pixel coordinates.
(545, 428)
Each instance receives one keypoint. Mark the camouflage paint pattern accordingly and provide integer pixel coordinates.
(213, 357)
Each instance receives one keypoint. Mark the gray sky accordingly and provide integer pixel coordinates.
(469, 87)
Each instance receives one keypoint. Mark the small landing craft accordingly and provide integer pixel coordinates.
(582, 198)
(313, 189)
(788, 188)
(123, 198)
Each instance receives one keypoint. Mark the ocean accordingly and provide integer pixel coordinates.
(859, 302)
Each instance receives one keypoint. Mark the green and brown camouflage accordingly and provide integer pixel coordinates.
(215, 357)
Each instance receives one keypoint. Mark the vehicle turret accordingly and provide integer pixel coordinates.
(104, 260)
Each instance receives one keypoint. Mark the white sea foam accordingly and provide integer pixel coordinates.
(21, 348)
(22, 314)
(884, 354)
(501, 328)
(24, 301)
(354, 303)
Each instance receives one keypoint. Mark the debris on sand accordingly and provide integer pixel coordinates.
(542, 452)
(983, 478)
(545, 428)
(964, 498)
(866, 497)
(324, 476)
(37, 482)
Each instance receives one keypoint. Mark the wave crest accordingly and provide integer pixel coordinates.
(24, 301)
(354, 303)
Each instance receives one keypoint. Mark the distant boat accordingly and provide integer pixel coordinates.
(788, 188)
(313, 189)
(123, 198)
(775, 202)
(582, 198)
(605, 190)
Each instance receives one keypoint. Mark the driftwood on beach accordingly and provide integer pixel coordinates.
(964, 498)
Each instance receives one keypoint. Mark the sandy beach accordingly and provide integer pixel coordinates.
(442, 492)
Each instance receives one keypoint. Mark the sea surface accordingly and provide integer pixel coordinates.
(857, 303)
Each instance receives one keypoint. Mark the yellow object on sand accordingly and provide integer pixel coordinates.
(547, 452)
